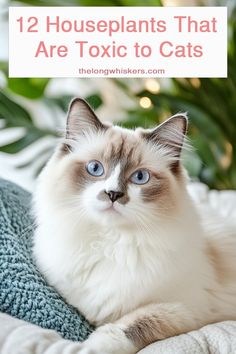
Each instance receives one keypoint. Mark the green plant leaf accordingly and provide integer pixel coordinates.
(29, 87)
(50, 2)
(141, 3)
(13, 114)
(60, 101)
(63, 101)
(20, 144)
(94, 100)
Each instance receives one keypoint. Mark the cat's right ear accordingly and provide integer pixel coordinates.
(80, 120)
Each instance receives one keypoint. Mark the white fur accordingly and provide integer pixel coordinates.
(112, 183)
(113, 336)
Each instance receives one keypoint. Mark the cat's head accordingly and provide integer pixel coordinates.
(116, 176)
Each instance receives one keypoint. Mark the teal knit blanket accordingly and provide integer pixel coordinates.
(23, 291)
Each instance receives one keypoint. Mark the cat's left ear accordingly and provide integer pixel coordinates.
(81, 118)
(170, 134)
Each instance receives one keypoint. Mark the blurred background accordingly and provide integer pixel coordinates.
(33, 111)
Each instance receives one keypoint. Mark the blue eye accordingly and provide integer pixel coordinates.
(95, 168)
(140, 177)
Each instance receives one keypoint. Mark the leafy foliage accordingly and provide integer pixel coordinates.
(210, 103)
(211, 108)
(28, 87)
(92, 3)
(13, 116)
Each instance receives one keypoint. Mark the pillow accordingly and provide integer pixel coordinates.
(23, 291)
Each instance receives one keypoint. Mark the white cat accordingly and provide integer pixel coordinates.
(118, 235)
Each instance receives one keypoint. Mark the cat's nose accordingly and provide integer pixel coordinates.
(113, 195)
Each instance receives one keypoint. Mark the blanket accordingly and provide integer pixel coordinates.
(17, 337)
(23, 291)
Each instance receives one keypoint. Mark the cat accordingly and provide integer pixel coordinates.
(120, 239)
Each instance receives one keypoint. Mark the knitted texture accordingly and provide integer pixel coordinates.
(23, 291)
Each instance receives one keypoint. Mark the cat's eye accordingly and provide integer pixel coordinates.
(95, 168)
(140, 177)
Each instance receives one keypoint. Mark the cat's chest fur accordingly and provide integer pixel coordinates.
(107, 273)
(99, 276)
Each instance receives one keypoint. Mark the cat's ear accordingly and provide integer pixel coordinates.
(170, 135)
(80, 119)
